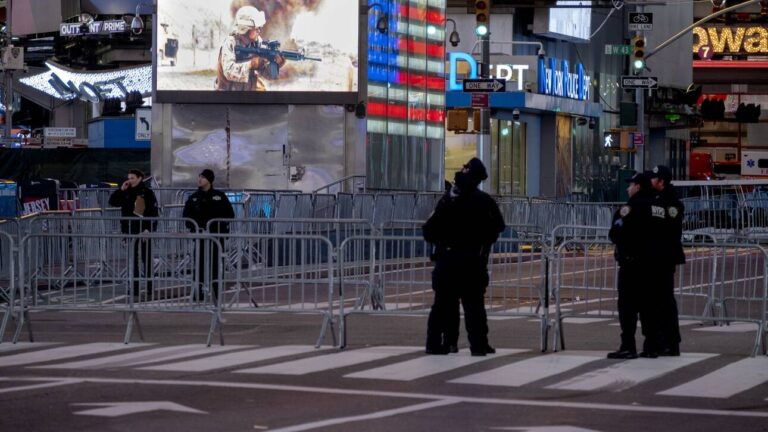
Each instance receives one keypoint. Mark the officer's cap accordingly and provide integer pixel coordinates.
(641, 178)
(662, 172)
(476, 170)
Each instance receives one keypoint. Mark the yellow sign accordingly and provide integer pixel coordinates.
(732, 40)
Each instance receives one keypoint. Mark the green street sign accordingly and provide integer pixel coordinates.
(618, 49)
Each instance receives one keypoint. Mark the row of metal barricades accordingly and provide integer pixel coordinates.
(335, 268)
(377, 208)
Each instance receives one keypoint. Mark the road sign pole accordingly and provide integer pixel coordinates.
(484, 144)
(640, 100)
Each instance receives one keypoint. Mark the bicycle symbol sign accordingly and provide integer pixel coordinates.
(640, 21)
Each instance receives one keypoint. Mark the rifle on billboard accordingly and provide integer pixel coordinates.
(269, 51)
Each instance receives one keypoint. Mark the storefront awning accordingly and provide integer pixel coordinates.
(527, 101)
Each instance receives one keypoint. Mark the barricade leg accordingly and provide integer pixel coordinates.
(4, 324)
(760, 341)
(133, 317)
(327, 323)
(23, 318)
(216, 324)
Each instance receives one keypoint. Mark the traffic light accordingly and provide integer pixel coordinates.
(482, 16)
(638, 53)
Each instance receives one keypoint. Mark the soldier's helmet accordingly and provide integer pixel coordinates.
(247, 18)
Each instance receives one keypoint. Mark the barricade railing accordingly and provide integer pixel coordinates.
(335, 230)
(294, 275)
(392, 275)
(142, 273)
(8, 284)
(719, 282)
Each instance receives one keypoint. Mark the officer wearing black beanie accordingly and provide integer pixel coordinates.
(465, 224)
(204, 206)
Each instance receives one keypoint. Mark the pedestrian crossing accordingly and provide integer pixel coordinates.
(566, 371)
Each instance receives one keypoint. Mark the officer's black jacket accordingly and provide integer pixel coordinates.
(126, 200)
(669, 236)
(466, 225)
(632, 230)
(204, 206)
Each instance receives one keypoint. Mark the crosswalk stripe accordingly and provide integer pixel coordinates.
(626, 374)
(427, 365)
(233, 359)
(726, 381)
(143, 357)
(332, 360)
(64, 352)
(530, 370)
(733, 328)
(8, 347)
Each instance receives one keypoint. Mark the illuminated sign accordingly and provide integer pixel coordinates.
(738, 39)
(96, 27)
(91, 86)
(561, 82)
(565, 22)
(502, 71)
(281, 46)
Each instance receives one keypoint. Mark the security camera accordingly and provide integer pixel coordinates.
(516, 114)
(137, 25)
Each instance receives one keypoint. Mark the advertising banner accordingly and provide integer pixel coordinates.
(237, 46)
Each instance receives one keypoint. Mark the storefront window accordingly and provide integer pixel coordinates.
(509, 157)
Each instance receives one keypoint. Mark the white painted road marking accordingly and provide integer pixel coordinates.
(726, 381)
(64, 352)
(556, 404)
(233, 359)
(626, 374)
(733, 328)
(143, 357)
(530, 370)
(332, 360)
(116, 409)
(427, 365)
(7, 347)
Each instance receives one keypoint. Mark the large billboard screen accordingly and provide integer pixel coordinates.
(257, 46)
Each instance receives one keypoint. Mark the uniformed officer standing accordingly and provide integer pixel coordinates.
(465, 224)
(203, 206)
(668, 240)
(629, 232)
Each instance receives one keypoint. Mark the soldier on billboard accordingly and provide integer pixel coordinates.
(233, 73)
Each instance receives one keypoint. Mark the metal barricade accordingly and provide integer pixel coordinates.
(243, 253)
(719, 282)
(8, 273)
(392, 274)
(295, 275)
(150, 273)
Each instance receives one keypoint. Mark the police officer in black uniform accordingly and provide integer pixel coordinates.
(630, 233)
(465, 224)
(668, 209)
(203, 206)
(137, 202)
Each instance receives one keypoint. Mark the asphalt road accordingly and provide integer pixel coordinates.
(78, 376)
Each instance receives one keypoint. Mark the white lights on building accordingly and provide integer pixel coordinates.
(94, 87)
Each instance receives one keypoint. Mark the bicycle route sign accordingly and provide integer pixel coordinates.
(639, 21)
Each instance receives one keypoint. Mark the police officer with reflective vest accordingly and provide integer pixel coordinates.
(633, 252)
(465, 224)
(203, 206)
(668, 209)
